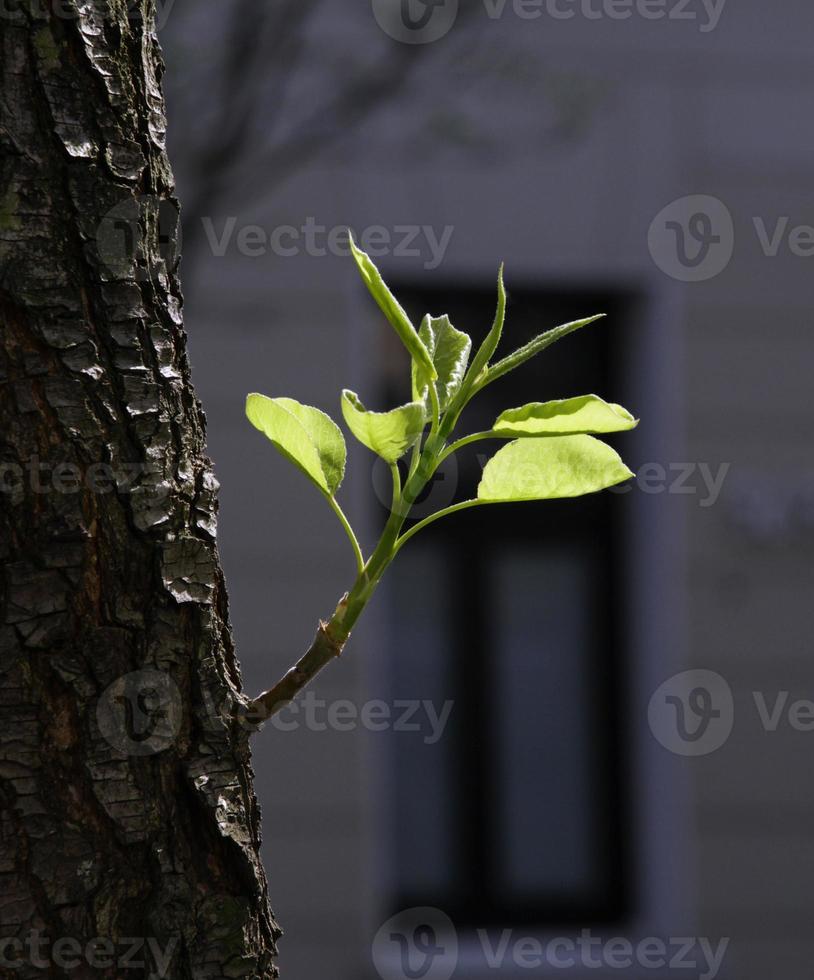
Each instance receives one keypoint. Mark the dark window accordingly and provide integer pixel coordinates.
(518, 813)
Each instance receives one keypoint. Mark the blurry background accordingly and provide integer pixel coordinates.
(542, 769)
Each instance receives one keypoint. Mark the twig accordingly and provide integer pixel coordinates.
(322, 651)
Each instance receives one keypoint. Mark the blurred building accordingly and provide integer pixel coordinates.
(601, 157)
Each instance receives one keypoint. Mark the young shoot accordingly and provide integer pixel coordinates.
(551, 449)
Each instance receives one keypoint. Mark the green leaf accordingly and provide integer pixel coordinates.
(492, 339)
(388, 434)
(449, 349)
(304, 435)
(543, 469)
(391, 308)
(587, 413)
(533, 347)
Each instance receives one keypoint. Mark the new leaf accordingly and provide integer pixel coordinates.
(392, 309)
(449, 349)
(533, 347)
(484, 353)
(306, 436)
(587, 413)
(545, 469)
(388, 434)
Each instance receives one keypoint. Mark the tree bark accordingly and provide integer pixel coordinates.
(129, 828)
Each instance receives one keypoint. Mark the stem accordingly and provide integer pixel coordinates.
(416, 456)
(394, 470)
(452, 414)
(436, 410)
(453, 509)
(328, 644)
(360, 559)
(323, 649)
(475, 437)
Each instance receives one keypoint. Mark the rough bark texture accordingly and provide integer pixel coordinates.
(128, 814)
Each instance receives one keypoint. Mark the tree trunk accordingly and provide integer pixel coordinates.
(129, 826)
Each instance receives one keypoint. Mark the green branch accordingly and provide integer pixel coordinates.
(568, 463)
(357, 551)
(452, 509)
(467, 440)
